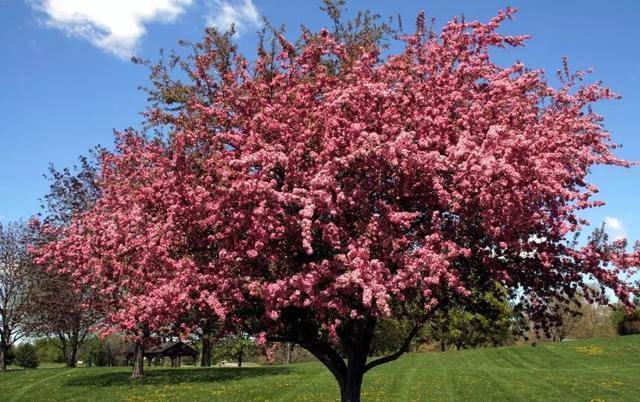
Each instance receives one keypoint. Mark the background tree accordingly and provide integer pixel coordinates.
(579, 319)
(26, 356)
(138, 296)
(207, 331)
(104, 352)
(236, 347)
(596, 321)
(569, 316)
(388, 336)
(15, 264)
(583, 310)
(60, 313)
(627, 324)
(72, 190)
(56, 308)
(48, 351)
(288, 349)
(485, 318)
(322, 188)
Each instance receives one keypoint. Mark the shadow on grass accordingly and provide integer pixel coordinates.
(176, 376)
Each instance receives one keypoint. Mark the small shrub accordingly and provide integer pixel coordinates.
(26, 356)
(627, 324)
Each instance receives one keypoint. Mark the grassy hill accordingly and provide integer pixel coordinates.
(589, 370)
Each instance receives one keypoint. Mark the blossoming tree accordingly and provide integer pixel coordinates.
(324, 186)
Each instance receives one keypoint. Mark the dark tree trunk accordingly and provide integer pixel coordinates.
(352, 385)
(240, 358)
(63, 348)
(355, 338)
(71, 359)
(138, 361)
(205, 359)
(443, 346)
(3, 355)
(356, 341)
(75, 341)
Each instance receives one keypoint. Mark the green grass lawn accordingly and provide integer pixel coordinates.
(589, 370)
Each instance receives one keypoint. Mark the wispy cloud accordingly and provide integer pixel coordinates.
(115, 26)
(243, 14)
(1, 218)
(614, 227)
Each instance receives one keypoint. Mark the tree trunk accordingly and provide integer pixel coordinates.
(205, 359)
(356, 341)
(357, 344)
(287, 352)
(240, 359)
(63, 348)
(350, 392)
(3, 356)
(75, 341)
(352, 384)
(356, 338)
(138, 361)
(71, 359)
(443, 346)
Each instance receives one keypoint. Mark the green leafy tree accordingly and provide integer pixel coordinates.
(484, 319)
(104, 352)
(237, 347)
(48, 351)
(92, 352)
(388, 336)
(627, 323)
(26, 356)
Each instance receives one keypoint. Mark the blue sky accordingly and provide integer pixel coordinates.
(66, 84)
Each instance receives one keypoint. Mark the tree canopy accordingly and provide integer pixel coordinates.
(323, 187)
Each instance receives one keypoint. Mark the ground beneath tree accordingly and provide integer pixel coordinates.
(600, 369)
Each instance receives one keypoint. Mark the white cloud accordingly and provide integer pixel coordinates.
(614, 227)
(1, 217)
(115, 26)
(243, 14)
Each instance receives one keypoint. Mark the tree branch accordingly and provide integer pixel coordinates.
(329, 357)
(322, 351)
(401, 350)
